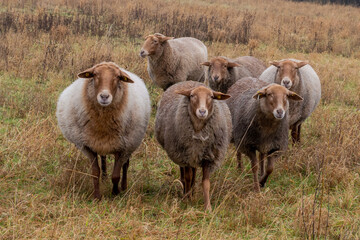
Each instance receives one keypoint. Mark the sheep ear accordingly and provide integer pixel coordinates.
(275, 63)
(162, 38)
(185, 92)
(233, 64)
(301, 64)
(88, 73)
(221, 96)
(125, 78)
(294, 96)
(206, 64)
(260, 94)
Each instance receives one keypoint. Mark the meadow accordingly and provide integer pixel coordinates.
(45, 182)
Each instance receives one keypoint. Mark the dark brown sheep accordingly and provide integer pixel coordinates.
(193, 125)
(260, 121)
(223, 72)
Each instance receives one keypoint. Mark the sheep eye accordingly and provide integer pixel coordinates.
(191, 96)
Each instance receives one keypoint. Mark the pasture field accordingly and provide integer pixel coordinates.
(45, 187)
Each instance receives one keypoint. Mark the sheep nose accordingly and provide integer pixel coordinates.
(104, 96)
(280, 112)
(142, 52)
(286, 82)
(216, 78)
(202, 112)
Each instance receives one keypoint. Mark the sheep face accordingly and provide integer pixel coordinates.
(105, 81)
(152, 44)
(288, 72)
(202, 100)
(274, 100)
(219, 69)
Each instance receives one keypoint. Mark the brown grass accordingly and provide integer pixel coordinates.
(45, 188)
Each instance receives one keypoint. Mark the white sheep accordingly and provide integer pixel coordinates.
(297, 76)
(194, 127)
(174, 60)
(105, 111)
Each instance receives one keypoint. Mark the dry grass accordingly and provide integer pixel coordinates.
(45, 189)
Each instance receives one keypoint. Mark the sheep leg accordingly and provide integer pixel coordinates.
(269, 170)
(124, 176)
(206, 186)
(193, 177)
(240, 165)
(262, 163)
(103, 167)
(116, 174)
(188, 176)
(298, 131)
(254, 168)
(182, 178)
(295, 133)
(95, 170)
(193, 171)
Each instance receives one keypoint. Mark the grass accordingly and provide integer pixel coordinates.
(45, 188)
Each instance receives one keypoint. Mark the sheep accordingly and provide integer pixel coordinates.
(260, 122)
(223, 72)
(194, 127)
(105, 111)
(297, 76)
(174, 60)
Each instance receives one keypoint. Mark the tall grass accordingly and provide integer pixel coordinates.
(45, 188)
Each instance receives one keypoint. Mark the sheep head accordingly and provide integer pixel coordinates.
(152, 43)
(274, 100)
(105, 80)
(288, 72)
(219, 69)
(202, 100)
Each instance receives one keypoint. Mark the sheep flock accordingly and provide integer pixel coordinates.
(206, 106)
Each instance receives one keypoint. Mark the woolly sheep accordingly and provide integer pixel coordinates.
(260, 122)
(105, 111)
(174, 60)
(223, 72)
(297, 76)
(194, 127)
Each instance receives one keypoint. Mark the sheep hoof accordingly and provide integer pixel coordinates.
(115, 191)
(262, 184)
(97, 197)
(257, 187)
(104, 177)
(208, 208)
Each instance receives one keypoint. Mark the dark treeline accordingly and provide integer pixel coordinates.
(342, 2)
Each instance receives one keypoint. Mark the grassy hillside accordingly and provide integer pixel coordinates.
(45, 187)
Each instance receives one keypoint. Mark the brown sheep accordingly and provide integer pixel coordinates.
(223, 72)
(260, 122)
(297, 76)
(193, 125)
